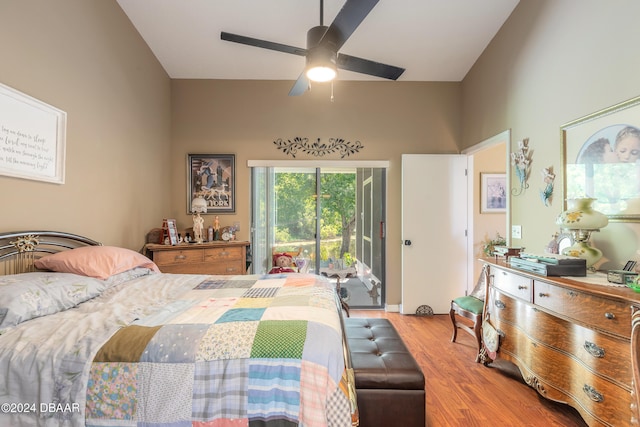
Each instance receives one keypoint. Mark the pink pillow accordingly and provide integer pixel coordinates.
(100, 262)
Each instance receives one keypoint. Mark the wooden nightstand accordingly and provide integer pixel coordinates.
(204, 258)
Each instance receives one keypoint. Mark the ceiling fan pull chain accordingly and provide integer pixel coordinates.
(331, 90)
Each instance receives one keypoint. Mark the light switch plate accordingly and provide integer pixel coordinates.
(516, 232)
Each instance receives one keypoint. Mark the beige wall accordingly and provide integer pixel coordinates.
(244, 118)
(85, 58)
(554, 61)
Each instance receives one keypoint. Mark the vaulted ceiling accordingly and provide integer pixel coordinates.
(435, 40)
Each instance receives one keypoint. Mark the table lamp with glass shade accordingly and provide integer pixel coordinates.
(580, 219)
(198, 206)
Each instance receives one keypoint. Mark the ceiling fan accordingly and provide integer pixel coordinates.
(323, 44)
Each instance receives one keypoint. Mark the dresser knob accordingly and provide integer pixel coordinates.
(609, 315)
(543, 295)
(521, 287)
(500, 304)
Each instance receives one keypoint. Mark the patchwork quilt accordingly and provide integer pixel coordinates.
(204, 351)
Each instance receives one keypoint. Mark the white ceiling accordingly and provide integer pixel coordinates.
(435, 40)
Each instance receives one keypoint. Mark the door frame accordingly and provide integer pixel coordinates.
(502, 137)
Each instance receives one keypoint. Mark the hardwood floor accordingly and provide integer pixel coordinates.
(460, 392)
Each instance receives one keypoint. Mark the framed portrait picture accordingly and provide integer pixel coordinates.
(601, 159)
(493, 193)
(212, 177)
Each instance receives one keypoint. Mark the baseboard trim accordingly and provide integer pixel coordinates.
(392, 308)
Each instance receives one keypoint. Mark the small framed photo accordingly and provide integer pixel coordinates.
(493, 193)
(213, 177)
(172, 231)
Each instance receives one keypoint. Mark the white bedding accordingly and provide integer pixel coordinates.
(61, 346)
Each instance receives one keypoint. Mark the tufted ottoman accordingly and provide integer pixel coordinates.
(389, 382)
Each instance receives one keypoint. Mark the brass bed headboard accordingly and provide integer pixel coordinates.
(19, 249)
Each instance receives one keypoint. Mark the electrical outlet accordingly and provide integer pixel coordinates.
(516, 231)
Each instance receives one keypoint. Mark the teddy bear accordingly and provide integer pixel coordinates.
(283, 264)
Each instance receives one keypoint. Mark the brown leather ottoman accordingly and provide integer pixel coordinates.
(389, 382)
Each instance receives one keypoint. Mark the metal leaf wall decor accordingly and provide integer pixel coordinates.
(317, 148)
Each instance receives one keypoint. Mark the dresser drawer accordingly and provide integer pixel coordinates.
(597, 312)
(232, 267)
(513, 284)
(604, 354)
(594, 396)
(505, 307)
(178, 257)
(222, 254)
(207, 258)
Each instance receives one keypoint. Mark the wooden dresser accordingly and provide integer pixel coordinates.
(570, 339)
(204, 258)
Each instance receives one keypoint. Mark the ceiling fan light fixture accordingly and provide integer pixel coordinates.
(323, 44)
(321, 63)
(321, 73)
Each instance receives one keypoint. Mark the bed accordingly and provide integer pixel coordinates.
(95, 335)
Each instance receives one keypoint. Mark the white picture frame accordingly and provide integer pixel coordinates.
(32, 137)
(493, 193)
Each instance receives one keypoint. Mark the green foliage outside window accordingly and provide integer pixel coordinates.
(296, 210)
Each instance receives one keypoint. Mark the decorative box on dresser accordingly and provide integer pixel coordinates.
(201, 258)
(571, 340)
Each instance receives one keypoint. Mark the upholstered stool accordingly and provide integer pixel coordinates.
(389, 382)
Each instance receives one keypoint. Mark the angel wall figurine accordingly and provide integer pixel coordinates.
(547, 177)
(521, 160)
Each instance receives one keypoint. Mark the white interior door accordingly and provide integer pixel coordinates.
(434, 228)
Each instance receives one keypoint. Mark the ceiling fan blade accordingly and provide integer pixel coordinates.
(300, 86)
(365, 66)
(263, 44)
(347, 20)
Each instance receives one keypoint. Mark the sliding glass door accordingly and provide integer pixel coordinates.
(333, 216)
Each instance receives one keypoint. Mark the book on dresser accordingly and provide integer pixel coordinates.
(217, 257)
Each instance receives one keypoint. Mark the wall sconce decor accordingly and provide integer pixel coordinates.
(521, 160)
(547, 193)
(318, 149)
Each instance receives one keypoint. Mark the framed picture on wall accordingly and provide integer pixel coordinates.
(493, 193)
(212, 177)
(602, 160)
(32, 137)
